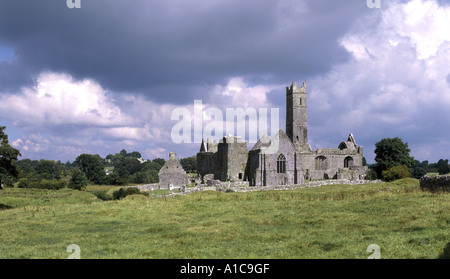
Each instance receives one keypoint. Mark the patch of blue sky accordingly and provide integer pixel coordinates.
(6, 53)
(12, 131)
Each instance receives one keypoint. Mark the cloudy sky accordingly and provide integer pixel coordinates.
(110, 75)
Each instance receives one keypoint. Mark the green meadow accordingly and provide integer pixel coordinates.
(327, 222)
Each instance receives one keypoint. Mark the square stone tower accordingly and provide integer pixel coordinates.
(296, 116)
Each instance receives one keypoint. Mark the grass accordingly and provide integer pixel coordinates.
(336, 221)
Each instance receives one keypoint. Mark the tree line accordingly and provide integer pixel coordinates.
(121, 168)
(393, 161)
(115, 169)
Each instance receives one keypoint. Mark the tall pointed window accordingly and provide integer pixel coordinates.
(321, 163)
(281, 164)
(348, 162)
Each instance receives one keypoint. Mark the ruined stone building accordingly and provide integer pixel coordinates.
(287, 158)
(172, 173)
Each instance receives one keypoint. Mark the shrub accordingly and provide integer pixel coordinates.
(52, 184)
(132, 191)
(49, 184)
(25, 183)
(102, 195)
(394, 173)
(120, 194)
(60, 184)
(371, 175)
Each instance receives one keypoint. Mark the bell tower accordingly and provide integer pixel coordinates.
(296, 116)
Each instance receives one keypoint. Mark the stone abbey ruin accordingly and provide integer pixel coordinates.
(285, 159)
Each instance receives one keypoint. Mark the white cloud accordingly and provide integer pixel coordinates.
(64, 117)
(425, 22)
(130, 133)
(23, 144)
(397, 82)
(238, 93)
(33, 143)
(58, 100)
(158, 152)
(67, 117)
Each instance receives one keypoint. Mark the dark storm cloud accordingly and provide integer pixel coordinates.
(174, 51)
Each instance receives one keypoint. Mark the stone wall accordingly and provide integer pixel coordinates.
(223, 187)
(147, 187)
(435, 183)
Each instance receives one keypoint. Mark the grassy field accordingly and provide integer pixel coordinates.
(338, 221)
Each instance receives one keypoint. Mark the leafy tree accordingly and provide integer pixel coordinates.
(151, 166)
(47, 169)
(140, 178)
(189, 164)
(145, 177)
(442, 167)
(391, 152)
(8, 156)
(92, 166)
(119, 157)
(120, 175)
(26, 165)
(153, 176)
(131, 164)
(134, 154)
(423, 164)
(78, 180)
(418, 172)
(419, 169)
(123, 152)
(159, 161)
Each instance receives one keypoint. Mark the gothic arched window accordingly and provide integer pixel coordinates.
(281, 164)
(348, 162)
(321, 163)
